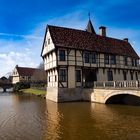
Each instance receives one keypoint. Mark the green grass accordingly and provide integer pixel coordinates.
(33, 91)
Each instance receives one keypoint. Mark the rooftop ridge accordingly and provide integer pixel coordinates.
(69, 28)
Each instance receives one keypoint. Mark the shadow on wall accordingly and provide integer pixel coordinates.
(124, 99)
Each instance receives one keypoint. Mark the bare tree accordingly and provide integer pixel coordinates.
(41, 66)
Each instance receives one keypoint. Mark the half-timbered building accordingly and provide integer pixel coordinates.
(26, 74)
(74, 59)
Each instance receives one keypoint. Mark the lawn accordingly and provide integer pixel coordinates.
(33, 91)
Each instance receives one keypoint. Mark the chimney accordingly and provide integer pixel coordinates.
(125, 39)
(102, 30)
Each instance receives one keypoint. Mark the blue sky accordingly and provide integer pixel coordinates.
(22, 25)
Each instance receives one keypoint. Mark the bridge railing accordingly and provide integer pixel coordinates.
(117, 84)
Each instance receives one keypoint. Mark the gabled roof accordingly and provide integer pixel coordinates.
(25, 71)
(80, 39)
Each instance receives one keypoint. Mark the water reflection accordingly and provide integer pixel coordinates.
(92, 121)
(24, 117)
(21, 118)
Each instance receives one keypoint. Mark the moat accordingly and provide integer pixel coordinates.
(27, 117)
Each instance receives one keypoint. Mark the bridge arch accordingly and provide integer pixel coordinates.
(127, 97)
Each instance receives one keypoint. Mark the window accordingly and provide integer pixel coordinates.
(78, 75)
(113, 59)
(93, 57)
(125, 75)
(106, 58)
(55, 78)
(48, 41)
(133, 62)
(125, 61)
(87, 54)
(131, 74)
(49, 79)
(62, 75)
(62, 55)
(110, 75)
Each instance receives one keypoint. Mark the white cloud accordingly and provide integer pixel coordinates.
(25, 52)
(9, 60)
(22, 36)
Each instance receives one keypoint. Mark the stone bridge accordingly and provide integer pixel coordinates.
(5, 84)
(127, 92)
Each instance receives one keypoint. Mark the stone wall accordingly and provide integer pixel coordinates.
(68, 94)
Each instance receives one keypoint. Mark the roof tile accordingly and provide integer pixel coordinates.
(80, 39)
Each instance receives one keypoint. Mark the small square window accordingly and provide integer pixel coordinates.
(49, 41)
(78, 75)
(62, 75)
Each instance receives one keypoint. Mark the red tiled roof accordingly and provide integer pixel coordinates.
(79, 39)
(24, 71)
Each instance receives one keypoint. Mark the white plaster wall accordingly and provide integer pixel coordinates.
(71, 77)
(15, 79)
(71, 57)
(79, 60)
(101, 76)
(101, 60)
(50, 61)
(52, 74)
(48, 47)
(15, 76)
(118, 76)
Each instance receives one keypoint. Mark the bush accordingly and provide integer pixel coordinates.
(38, 84)
(21, 85)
